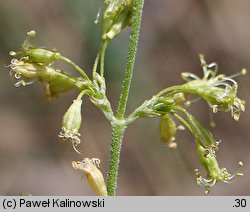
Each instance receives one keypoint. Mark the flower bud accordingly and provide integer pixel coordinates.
(116, 16)
(93, 174)
(71, 123)
(168, 130)
(41, 55)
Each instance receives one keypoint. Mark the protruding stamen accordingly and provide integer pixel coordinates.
(243, 72)
(215, 108)
(241, 163)
(31, 33)
(12, 53)
(98, 16)
(189, 76)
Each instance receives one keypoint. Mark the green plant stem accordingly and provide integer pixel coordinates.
(96, 64)
(119, 127)
(166, 90)
(114, 158)
(100, 57)
(103, 50)
(84, 75)
(131, 58)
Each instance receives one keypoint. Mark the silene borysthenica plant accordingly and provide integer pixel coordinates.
(31, 64)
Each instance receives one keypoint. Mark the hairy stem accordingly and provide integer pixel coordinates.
(130, 59)
(119, 128)
(114, 160)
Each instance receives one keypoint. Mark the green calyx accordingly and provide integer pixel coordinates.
(71, 124)
(72, 119)
(209, 162)
(214, 172)
(41, 55)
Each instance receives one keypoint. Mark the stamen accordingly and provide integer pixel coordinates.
(206, 182)
(241, 163)
(95, 161)
(31, 33)
(213, 67)
(221, 83)
(207, 191)
(224, 79)
(180, 127)
(74, 147)
(21, 82)
(189, 76)
(71, 136)
(12, 53)
(14, 61)
(241, 73)
(98, 16)
(215, 108)
(203, 65)
(17, 76)
(229, 179)
(210, 151)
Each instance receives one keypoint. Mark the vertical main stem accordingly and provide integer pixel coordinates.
(118, 129)
(114, 158)
(131, 58)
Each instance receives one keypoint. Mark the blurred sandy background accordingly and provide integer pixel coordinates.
(173, 34)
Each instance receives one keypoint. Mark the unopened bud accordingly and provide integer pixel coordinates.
(168, 131)
(41, 55)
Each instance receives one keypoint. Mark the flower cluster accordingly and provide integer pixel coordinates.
(219, 91)
(32, 64)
